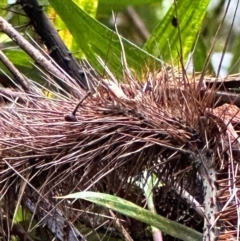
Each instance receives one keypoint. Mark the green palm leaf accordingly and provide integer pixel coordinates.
(95, 39)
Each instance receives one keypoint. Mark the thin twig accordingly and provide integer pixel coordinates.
(55, 221)
(10, 95)
(19, 77)
(72, 117)
(120, 227)
(137, 21)
(66, 82)
(16, 230)
(80, 102)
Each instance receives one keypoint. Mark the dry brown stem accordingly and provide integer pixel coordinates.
(20, 80)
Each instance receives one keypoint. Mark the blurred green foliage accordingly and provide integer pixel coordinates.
(91, 35)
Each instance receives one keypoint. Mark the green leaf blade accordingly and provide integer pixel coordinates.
(130, 209)
(97, 40)
(169, 40)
